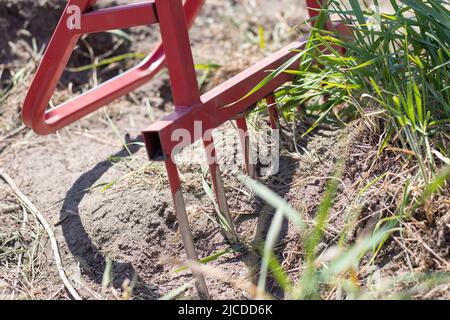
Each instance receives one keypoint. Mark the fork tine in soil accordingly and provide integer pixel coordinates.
(245, 146)
(216, 177)
(183, 222)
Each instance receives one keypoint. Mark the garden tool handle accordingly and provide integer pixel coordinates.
(64, 39)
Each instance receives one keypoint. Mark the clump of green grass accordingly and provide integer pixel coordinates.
(337, 272)
(395, 66)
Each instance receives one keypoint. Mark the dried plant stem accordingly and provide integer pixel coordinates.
(54, 244)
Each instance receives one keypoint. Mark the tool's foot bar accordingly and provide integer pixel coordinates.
(219, 105)
(119, 17)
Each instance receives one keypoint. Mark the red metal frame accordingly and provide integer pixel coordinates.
(43, 121)
(223, 103)
(220, 104)
(35, 113)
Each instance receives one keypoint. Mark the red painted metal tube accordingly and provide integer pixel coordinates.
(273, 111)
(220, 104)
(250, 168)
(35, 114)
(314, 7)
(119, 17)
(177, 48)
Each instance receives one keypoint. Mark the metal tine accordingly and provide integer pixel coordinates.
(273, 112)
(224, 218)
(183, 222)
(250, 168)
(185, 95)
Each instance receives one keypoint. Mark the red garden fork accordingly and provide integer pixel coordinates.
(212, 109)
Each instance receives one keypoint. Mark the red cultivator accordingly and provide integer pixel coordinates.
(212, 109)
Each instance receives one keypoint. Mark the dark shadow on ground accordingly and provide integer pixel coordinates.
(81, 246)
(78, 240)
